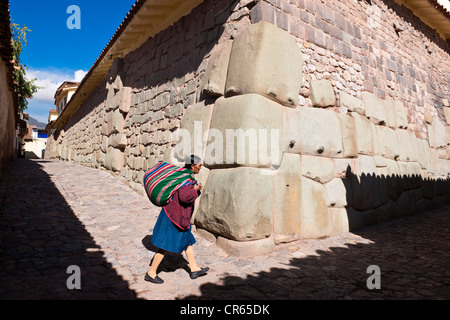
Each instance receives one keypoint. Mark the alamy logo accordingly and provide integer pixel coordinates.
(74, 20)
(74, 281)
(231, 146)
(374, 281)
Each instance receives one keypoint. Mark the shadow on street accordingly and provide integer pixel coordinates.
(40, 237)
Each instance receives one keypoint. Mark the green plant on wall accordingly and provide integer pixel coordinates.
(25, 88)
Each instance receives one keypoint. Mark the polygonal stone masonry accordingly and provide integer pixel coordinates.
(265, 60)
(246, 248)
(312, 131)
(387, 142)
(368, 190)
(396, 113)
(352, 103)
(316, 221)
(407, 145)
(423, 149)
(201, 178)
(401, 118)
(437, 133)
(336, 193)
(364, 133)
(287, 224)
(339, 220)
(216, 72)
(193, 132)
(447, 114)
(246, 131)
(321, 93)
(447, 128)
(319, 169)
(118, 140)
(125, 100)
(114, 159)
(237, 204)
(349, 142)
(338, 170)
(375, 108)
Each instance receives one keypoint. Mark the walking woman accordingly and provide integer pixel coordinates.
(172, 231)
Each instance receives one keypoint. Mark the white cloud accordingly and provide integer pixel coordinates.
(79, 75)
(445, 4)
(50, 79)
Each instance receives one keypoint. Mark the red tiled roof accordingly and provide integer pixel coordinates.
(438, 6)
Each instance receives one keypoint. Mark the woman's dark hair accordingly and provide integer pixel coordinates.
(192, 159)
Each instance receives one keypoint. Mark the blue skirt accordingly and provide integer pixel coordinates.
(169, 237)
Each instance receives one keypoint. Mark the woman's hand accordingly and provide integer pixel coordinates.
(198, 187)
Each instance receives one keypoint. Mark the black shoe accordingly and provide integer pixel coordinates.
(153, 280)
(199, 273)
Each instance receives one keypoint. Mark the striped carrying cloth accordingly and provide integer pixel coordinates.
(163, 180)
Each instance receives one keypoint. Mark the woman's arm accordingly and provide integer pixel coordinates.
(188, 194)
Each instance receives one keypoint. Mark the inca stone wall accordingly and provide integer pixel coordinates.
(312, 118)
(127, 124)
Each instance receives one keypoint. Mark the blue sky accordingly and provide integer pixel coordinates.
(55, 53)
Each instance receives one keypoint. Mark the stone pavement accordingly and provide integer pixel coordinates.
(55, 214)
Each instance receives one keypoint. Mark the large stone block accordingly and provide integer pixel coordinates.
(379, 143)
(216, 72)
(110, 102)
(343, 167)
(423, 154)
(201, 177)
(391, 113)
(368, 190)
(118, 140)
(321, 93)
(336, 193)
(447, 128)
(245, 131)
(407, 145)
(364, 133)
(375, 107)
(406, 203)
(355, 219)
(316, 221)
(114, 122)
(192, 136)
(447, 114)
(439, 167)
(312, 131)
(352, 103)
(410, 173)
(349, 143)
(390, 142)
(266, 60)
(237, 204)
(114, 159)
(105, 143)
(125, 100)
(339, 220)
(287, 216)
(437, 134)
(401, 118)
(394, 179)
(319, 169)
(246, 248)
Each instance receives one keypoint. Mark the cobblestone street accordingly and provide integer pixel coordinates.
(55, 214)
